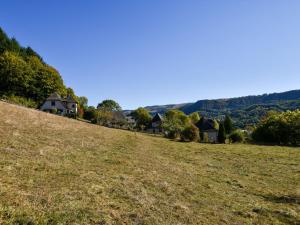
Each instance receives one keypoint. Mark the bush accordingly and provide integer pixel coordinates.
(279, 128)
(236, 136)
(21, 101)
(54, 111)
(174, 123)
(190, 133)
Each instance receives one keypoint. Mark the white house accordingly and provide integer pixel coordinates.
(63, 106)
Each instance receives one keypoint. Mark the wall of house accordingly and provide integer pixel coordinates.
(58, 105)
(212, 136)
(70, 107)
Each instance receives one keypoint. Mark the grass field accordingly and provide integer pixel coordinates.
(55, 170)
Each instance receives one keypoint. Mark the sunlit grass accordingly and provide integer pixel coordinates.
(55, 170)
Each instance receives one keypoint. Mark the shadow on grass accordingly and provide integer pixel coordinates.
(290, 199)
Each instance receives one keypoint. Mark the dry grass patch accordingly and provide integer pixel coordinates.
(55, 170)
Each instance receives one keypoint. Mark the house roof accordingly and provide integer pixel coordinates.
(70, 99)
(206, 125)
(54, 96)
(157, 118)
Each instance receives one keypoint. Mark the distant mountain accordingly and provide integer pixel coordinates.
(246, 110)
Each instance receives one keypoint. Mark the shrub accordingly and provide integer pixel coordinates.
(279, 128)
(236, 136)
(21, 101)
(174, 123)
(54, 111)
(190, 133)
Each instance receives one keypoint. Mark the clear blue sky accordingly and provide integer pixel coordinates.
(147, 52)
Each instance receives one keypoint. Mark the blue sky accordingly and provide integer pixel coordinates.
(148, 52)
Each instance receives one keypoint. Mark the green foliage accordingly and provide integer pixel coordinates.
(109, 105)
(83, 102)
(228, 124)
(279, 128)
(194, 117)
(23, 73)
(221, 134)
(21, 101)
(106, 112)
(174, 123)
(90, 114)
(190, 133)
(54, 111)
(142, 117)
(237, 136)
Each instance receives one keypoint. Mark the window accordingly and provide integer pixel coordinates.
(52, 103)
(73, 106)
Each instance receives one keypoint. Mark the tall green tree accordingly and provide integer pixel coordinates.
(83, 102)
(109, 105)
(106, 111)
(175, 121)
(221, 134)
(142, 117)
(228, 124)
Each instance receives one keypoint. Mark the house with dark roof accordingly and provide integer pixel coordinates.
(208, 129)
(63, 106)
(156, 124)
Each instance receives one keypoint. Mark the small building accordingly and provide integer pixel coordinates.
(62, 106)
(156, 124)
(208, 131)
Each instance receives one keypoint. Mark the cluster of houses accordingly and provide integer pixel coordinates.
(69, 107)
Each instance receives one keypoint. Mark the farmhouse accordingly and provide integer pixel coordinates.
(207, 128)
(63, 106)
(156, 124)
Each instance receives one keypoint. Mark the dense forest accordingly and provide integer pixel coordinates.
(24, 76)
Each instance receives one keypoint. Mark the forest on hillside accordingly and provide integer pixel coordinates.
(24, 76)
(244, 111)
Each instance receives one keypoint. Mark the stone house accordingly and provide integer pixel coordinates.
(63, 106)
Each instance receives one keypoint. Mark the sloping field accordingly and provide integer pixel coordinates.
(55, 170)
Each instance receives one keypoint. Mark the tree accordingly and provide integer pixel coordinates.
(194, 117)
(236, 136)
(142, 117)
(228, 124)
(24, 74)
(105, 112)
(190, 133)
(174, 123)
(83, 102)
(109, 105)
(90, 114)
(279, 128)
(221, 134)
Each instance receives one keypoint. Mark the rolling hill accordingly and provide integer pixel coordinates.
(55, 170)
(244, 110)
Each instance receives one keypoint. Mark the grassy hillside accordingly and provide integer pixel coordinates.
(55, 170)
